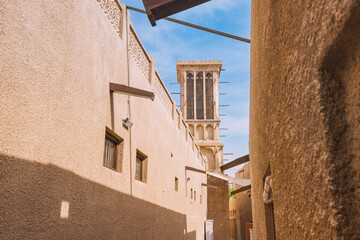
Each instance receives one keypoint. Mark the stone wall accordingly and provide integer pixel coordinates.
(304, 118)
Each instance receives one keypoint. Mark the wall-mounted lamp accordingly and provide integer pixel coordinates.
(127, 122)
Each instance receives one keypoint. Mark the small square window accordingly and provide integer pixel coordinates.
(113, 150)
(176, 184)
(141, 162)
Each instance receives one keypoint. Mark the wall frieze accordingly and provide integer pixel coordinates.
(138, 54)
(113, 12)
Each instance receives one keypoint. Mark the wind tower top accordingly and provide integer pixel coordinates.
(199, 91)
(199, 97)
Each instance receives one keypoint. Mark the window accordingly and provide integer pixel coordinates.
(209, 96)
(190, 96)
(200, 199)
(199, 96)
(176, 184)
(194, 195)
(141, 165)
(113, 150)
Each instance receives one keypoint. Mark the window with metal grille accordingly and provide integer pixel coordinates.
(199, 96)
(112, 150)
(141, 165)
(209, 96)
(190, 96)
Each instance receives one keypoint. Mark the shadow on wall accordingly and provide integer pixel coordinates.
(40, 201)
(341, 101)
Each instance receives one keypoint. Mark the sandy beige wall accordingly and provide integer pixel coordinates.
(57, 60)
(304, 117)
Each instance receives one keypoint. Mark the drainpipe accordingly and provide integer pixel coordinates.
(128, 78)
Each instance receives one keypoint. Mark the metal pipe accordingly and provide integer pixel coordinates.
(127, 24)
(196, 26)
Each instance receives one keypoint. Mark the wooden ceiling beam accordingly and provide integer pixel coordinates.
(242, 189)
(236, 162)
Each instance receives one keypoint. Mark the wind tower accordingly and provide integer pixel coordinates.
(199, 101)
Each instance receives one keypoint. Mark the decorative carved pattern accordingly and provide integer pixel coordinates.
(113, 12)
(137, 52)
(160, 92)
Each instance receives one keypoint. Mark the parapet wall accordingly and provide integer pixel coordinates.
(116, 15)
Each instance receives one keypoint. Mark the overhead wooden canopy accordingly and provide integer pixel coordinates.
(158, 9)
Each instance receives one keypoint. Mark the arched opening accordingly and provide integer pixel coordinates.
(210, 158)
(209, 96)
(200, 132)
(210, 132)
(199, 96)
(190, 96)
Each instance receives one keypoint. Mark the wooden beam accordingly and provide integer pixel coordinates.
(242, 189)
(236, 162)
(115, 87)
(194, 169)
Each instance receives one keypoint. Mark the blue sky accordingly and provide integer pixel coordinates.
(168, 42)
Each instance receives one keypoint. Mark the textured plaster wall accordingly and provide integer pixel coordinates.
(56, 62)
(304, 117)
